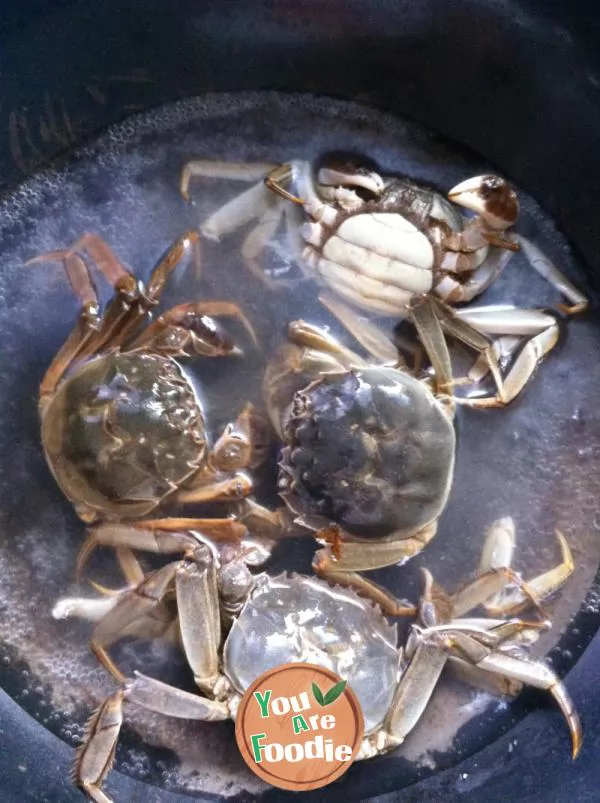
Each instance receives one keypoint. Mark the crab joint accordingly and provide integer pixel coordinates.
(280, 174)
(332, 537)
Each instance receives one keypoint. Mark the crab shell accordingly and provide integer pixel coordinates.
(122, 432)
(289, 619)
(386, 251)
(370, 449)
(420, 204)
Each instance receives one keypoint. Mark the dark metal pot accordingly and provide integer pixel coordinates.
(517, 81)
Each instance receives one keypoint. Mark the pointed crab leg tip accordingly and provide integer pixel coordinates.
(50, 256)
(577, 738)
(89, 545)
(563, 543)
(107, 592)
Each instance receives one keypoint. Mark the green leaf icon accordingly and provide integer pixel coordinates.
(334, 692)
(331, 696)
(318, 694)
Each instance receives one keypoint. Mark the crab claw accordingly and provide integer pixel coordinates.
(346, 174)
(491, 197)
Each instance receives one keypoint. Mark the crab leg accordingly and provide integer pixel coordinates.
(238, 447)
(131, 304)
(313, 337)
(417, 683)
(231, 488)
(424, 315)
(96, 755)
(84, 330)
(233, 449)
(477, 650)
(130, 566)
(229, 171)
(463, 331)
(257, 203)
(486, 586)
(173, 702)
(470, 648)
(489, 588)
(86, 326)
(92, 610)
(161, 536)
(131, 606)
(262, 522)
(157, 623)
(540, 262)
(370, 337)
(284, 174)
(497, 552)
(363, 556)
(475, 283)
(503, 347)
(189, 329)
(390, 605)
(542, 330)
(101, 254)
(498, 685)
(258, 239)
(124, 313)
(340, 560)
(197, 591)
(439, 610)
(416, 686)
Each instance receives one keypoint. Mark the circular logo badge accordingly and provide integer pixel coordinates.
(299, 726)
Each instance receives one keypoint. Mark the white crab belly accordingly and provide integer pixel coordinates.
(378, 261)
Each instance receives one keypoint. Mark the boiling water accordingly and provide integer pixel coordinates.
(536, 461)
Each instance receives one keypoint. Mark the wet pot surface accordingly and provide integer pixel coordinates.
(533, 461)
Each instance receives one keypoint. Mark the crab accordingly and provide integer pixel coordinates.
(233, 625)
(368, 452)
(123, 428)
(387, 246)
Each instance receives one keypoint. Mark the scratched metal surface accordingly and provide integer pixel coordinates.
(536, 461)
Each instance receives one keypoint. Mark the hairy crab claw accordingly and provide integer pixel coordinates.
(490, 197)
